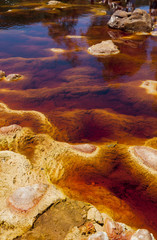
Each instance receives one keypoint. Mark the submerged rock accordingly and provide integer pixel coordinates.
(13, 77)
(103, 48)
(136, 21)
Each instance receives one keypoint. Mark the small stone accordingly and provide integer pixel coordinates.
(104, 48)
(10, 129)
(153, 33)
(142, 234)
(58, 50)
(53, 2)
(99, 236)
(90, 228)
(150, 86)
(13, 77)
(25, 198)
(94, 214)
(98, 227)
(2, 75)
(85, 148)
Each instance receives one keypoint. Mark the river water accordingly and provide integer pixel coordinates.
(89, 99)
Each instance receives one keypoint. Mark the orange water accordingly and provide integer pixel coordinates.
(89, 99)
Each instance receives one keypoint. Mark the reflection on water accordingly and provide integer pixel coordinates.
(88, 98)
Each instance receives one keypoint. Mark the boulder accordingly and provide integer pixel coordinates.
(136, 21)
(103, 48)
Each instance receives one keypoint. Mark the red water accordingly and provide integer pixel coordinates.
(89, 99)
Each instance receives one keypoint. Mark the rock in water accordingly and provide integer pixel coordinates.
(142, 234)
(136, 21)
(85, 148)
(53, 2)
(98, 236)
(25, 198)
(147, 155)
(103, 48)
(13, 77)
(150, 86)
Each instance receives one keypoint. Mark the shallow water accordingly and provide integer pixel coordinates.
(89, 99)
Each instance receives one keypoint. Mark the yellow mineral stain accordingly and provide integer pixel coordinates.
(74, 36)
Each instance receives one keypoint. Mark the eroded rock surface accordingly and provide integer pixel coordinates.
(86, 148)
(142, 234)
(58, 220)
(11, 129)
(25, 198)
(147, 155)
(109, 171)
(104, 48)
(24, 193)
(136, 21)
(99, 236)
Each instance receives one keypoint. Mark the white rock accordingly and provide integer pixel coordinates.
(104, 48)
(94, 214)
(142, 234)
(99, 236)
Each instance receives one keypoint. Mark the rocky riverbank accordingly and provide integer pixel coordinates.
(32, 162)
